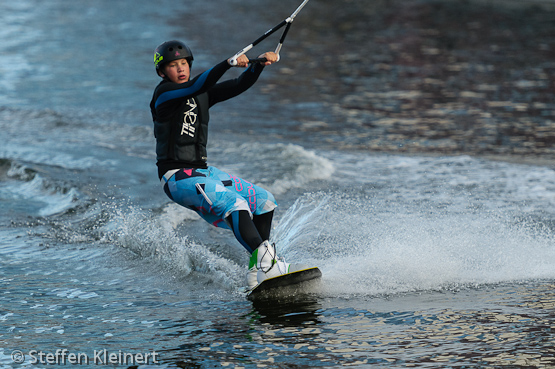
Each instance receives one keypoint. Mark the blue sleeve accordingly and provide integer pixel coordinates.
(200, 84)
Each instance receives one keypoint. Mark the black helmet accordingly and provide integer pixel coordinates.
(172, 50)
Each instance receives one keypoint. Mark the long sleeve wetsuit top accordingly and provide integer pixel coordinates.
(180, 114)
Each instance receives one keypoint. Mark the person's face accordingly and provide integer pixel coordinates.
(177, 71)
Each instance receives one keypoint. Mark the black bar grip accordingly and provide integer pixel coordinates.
(258, 60)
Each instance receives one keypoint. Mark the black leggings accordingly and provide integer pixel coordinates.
(250, 232)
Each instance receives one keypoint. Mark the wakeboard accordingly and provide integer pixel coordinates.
(272, 287)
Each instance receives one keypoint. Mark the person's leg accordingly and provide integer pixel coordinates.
(263, 223)
(197, 190)
(230, 202)
(245, 230)
(263, 262)
(259, 200)
(247, 234)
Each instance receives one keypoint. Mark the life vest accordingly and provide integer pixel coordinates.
(183, 137)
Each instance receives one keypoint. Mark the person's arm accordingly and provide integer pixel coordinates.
(233, 87)
(201, 83)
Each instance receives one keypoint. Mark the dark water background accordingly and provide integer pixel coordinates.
(410, 145)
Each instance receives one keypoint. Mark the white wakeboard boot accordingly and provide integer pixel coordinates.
(265, 264)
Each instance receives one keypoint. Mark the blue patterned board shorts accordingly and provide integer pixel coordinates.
(214, 194)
